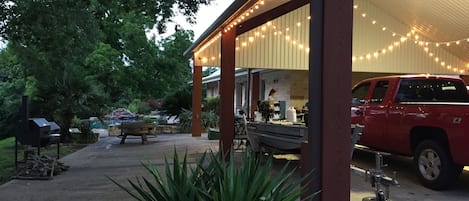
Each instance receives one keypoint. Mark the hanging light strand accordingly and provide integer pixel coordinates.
(270, 29)
(412, 35)
(416, 39)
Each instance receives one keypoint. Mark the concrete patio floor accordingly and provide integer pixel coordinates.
(86, 179)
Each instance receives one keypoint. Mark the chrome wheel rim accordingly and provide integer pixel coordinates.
(429, 164)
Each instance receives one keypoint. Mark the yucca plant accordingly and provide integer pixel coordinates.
(215, 179)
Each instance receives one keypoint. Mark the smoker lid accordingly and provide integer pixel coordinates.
(40, 122)
(54, 126)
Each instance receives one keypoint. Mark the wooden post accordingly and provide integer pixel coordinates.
(228, 42)
(254, 92)
(329, 98)
(197, 102)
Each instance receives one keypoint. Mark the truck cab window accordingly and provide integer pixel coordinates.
(379, 92)
(359, 93)
(426, 90)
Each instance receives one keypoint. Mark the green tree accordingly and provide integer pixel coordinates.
(149, 71)
(79, 55)
(12, 87)
(52, 40)
(174, 70)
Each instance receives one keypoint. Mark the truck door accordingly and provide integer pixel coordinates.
(359, 100)
(375, 117)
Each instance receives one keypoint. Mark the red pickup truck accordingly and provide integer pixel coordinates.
(423, 116)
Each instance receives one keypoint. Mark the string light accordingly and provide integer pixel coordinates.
(243, 16)
(209, 43)
(234, 23)
(272, 30)
(413, 36)
(374, 54)
(413, 32)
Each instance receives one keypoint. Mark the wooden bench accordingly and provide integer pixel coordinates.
(136, 129)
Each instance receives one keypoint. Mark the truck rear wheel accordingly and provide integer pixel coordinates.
(434, 165)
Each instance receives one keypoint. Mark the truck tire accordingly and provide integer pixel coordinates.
(434, 165)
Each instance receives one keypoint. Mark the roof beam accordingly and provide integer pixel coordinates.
(269, 15)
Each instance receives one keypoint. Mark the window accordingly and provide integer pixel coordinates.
(359, 93)
(379, 92)
(432, 90)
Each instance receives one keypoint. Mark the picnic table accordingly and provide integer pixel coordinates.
(136, 129)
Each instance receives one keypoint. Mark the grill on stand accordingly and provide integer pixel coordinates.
(38, 133)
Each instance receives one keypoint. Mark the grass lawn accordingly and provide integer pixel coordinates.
(7, 155)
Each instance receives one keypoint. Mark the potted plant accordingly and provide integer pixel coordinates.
(265, 110)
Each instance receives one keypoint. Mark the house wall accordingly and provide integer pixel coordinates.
(278, 80)
(212, 89)
(298, 88)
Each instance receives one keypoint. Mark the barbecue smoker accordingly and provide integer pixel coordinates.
(37, 133)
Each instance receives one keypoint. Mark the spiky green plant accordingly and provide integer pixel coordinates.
(214, 178)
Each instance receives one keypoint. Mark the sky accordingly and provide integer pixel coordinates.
(205, 17)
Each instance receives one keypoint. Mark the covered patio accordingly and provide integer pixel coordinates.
(315, 35)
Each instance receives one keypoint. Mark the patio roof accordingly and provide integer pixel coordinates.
(440, 21)
(439, 31)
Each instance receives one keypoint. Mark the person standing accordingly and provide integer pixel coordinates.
(271, 98)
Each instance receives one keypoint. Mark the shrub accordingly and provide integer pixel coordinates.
(86, 135)
(175, 102)
(139, 107)
(162, 120)
(146, 120)
(185, 120)
(216, 179)
(210, 120)
(212, 104)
